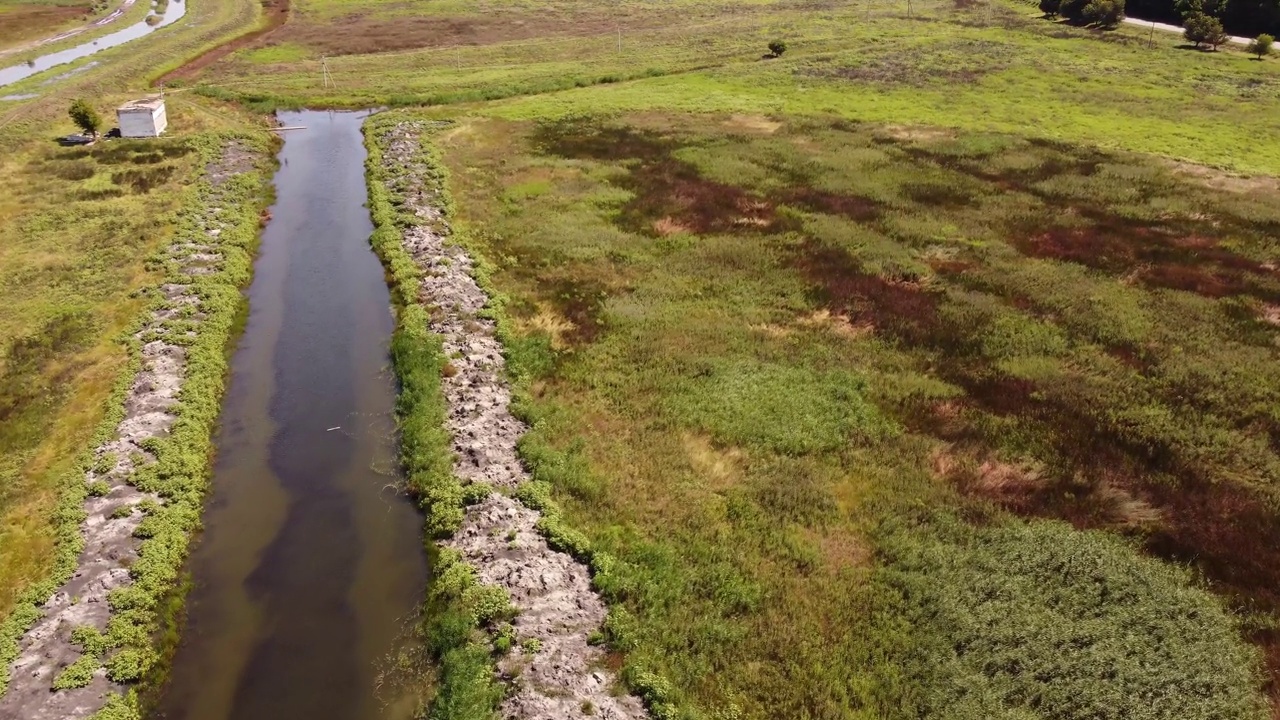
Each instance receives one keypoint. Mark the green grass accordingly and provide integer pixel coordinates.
(36, 21)
(74, 248)
(765, 358)
(25, 21)
(995, 68)
(902, 376)
(179, 475)
(77, 226)
(1039, 616)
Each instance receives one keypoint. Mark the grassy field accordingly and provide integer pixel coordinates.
(22, 22)
(76, 229)
(803, 376)
(913, 374)
(929, 370)
(977, 66)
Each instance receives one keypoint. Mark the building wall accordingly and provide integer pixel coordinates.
(160, 120)
(142, 123)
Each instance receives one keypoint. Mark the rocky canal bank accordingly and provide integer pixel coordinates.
(91, 638)
(552, 671)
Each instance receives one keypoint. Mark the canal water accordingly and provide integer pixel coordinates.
(311, 564)
(12, 74)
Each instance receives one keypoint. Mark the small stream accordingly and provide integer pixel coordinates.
(311, 565)
(12, 74)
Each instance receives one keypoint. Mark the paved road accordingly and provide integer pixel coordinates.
(1178, 29)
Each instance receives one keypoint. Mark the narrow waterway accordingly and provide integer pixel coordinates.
(12, 74)
(311, 564)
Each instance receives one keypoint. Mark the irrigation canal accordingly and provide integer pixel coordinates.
(311, 565)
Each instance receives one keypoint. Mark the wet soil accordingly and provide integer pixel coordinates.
(312, 566)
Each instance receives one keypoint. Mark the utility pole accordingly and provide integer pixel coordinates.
(619, 39)
(1151, 41)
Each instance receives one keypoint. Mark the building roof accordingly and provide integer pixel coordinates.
(147, 104)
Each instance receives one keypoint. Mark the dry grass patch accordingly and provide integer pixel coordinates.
(720, 468)
(1222, 180)
(753, 123)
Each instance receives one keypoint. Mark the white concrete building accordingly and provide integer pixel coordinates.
(142, 118)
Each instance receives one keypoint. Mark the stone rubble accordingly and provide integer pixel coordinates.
(109, 545)
(565, 677)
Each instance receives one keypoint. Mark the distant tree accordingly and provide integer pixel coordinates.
(1204, 30)
(85, 117)
(1050, 7)
(777, 47)
(1214, 8)
(1105, 13)
(1073, 9)
(1261, 45)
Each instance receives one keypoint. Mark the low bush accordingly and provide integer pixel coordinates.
(1204, 30)
(1036, 620)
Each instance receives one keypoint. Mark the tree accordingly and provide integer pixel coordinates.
(1261, 45)
(1204, 30)
(777, 47)
(1188, 8)
(85, 117)
(1105, 13)
(1073, 10)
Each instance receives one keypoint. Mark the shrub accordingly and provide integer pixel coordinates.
(1050, 7)
(78, 674)
(85, 117)
(1261, 45)
(1204, 30)
(1105, 13)
(777, 47)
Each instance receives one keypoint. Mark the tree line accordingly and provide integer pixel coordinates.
(1238, 17)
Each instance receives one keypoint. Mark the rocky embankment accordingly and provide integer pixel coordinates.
(554, 673)
(62, 668)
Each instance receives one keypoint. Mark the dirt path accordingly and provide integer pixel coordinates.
(276, 13)
(115, 15)
(115, 508)
(566, 677)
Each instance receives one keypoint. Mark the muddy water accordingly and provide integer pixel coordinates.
(310, 565)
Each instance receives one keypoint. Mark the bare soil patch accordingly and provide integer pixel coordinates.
(275, 12)
(1222, 180)
(669, 195)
